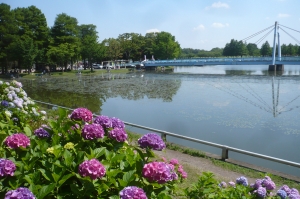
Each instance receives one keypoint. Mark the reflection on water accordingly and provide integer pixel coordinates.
(258, 113)
(237, 70)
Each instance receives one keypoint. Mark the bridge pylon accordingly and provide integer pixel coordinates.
(273, 66)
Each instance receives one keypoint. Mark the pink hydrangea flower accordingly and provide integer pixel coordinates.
(17, 140)
(174, 161)
(92, 168)
(82, 114)
(118, 134)
(160, 172)
(92, 131)
(181, 171)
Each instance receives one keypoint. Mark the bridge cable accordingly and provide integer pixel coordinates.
(251, 36)
(290, 36)
(290, 28)
(258, 41)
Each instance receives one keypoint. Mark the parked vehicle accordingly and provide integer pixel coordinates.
(130, 65)
(97, 66)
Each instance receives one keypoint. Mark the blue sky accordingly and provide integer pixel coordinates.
(199, 24)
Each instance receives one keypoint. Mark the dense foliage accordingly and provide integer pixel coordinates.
(76, 155)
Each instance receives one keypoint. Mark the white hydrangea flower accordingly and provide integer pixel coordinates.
(7, 113)
(17, 90)
(43, 112)
(25, 107)
(1, 82)
(11, 104)
(11, 88)
(24, 111)
(10, 97)
(6, 90)
(43, 117)
(7, 83)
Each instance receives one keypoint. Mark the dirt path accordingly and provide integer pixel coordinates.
(201, 165)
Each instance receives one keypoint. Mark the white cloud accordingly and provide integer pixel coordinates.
(152, 30)
(281, 15)
(219, 25)
(200, 27)
(218, 5)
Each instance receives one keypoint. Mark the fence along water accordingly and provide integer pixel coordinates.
(225, 149)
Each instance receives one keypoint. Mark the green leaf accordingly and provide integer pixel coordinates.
(46, 174)
(99, 152)
(122, 182)
(27, 131)
(68, 158)
(64, 178)
(45, 190)
(114, 197)
(129, 176)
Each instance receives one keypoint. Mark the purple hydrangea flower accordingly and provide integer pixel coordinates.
(222, 184)
(7, 167)
(119, 134)
(294, 191)
(91, 168)
(132, 192)
(152, 141)
(17, 140)
(92, 131)
(41, 133)
(286, 189)
(231, 183)
(281, 193)
(269, 184)
(160, 172)
(19, 193)
(257, 183)
(104, 121)
(294, 196)
(82, 114)
(117, 123)
(261, 192)
(242, 180)
(4, 103)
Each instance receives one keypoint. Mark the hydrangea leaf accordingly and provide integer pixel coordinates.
(27, 131)
(129, 176)
(45, 190)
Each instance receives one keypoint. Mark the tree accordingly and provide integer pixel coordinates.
(25, 51)
(265, 49)
(253, 49)
(33, 33)
(113, 48)
(7, 34)
(130, 43)
(235, 48)
(64, 34)
(165, 46)
(89, 42)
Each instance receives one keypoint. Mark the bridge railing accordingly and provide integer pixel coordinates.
(225, 149)
(297, 58)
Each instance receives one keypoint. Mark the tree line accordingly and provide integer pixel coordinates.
(26, 39)
(240, 48)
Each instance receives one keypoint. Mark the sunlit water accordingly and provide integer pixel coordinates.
(248, 109)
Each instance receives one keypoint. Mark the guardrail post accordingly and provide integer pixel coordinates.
(164, 137)
(224, 153)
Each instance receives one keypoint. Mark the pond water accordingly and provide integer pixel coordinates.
(245, 107)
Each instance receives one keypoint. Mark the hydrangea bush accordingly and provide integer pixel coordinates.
(77, 156)
(208, 187)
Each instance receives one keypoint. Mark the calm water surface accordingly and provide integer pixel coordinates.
(246, 108)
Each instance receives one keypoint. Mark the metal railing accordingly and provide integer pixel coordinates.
(225, 149)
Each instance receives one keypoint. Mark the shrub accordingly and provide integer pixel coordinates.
(74, 156)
